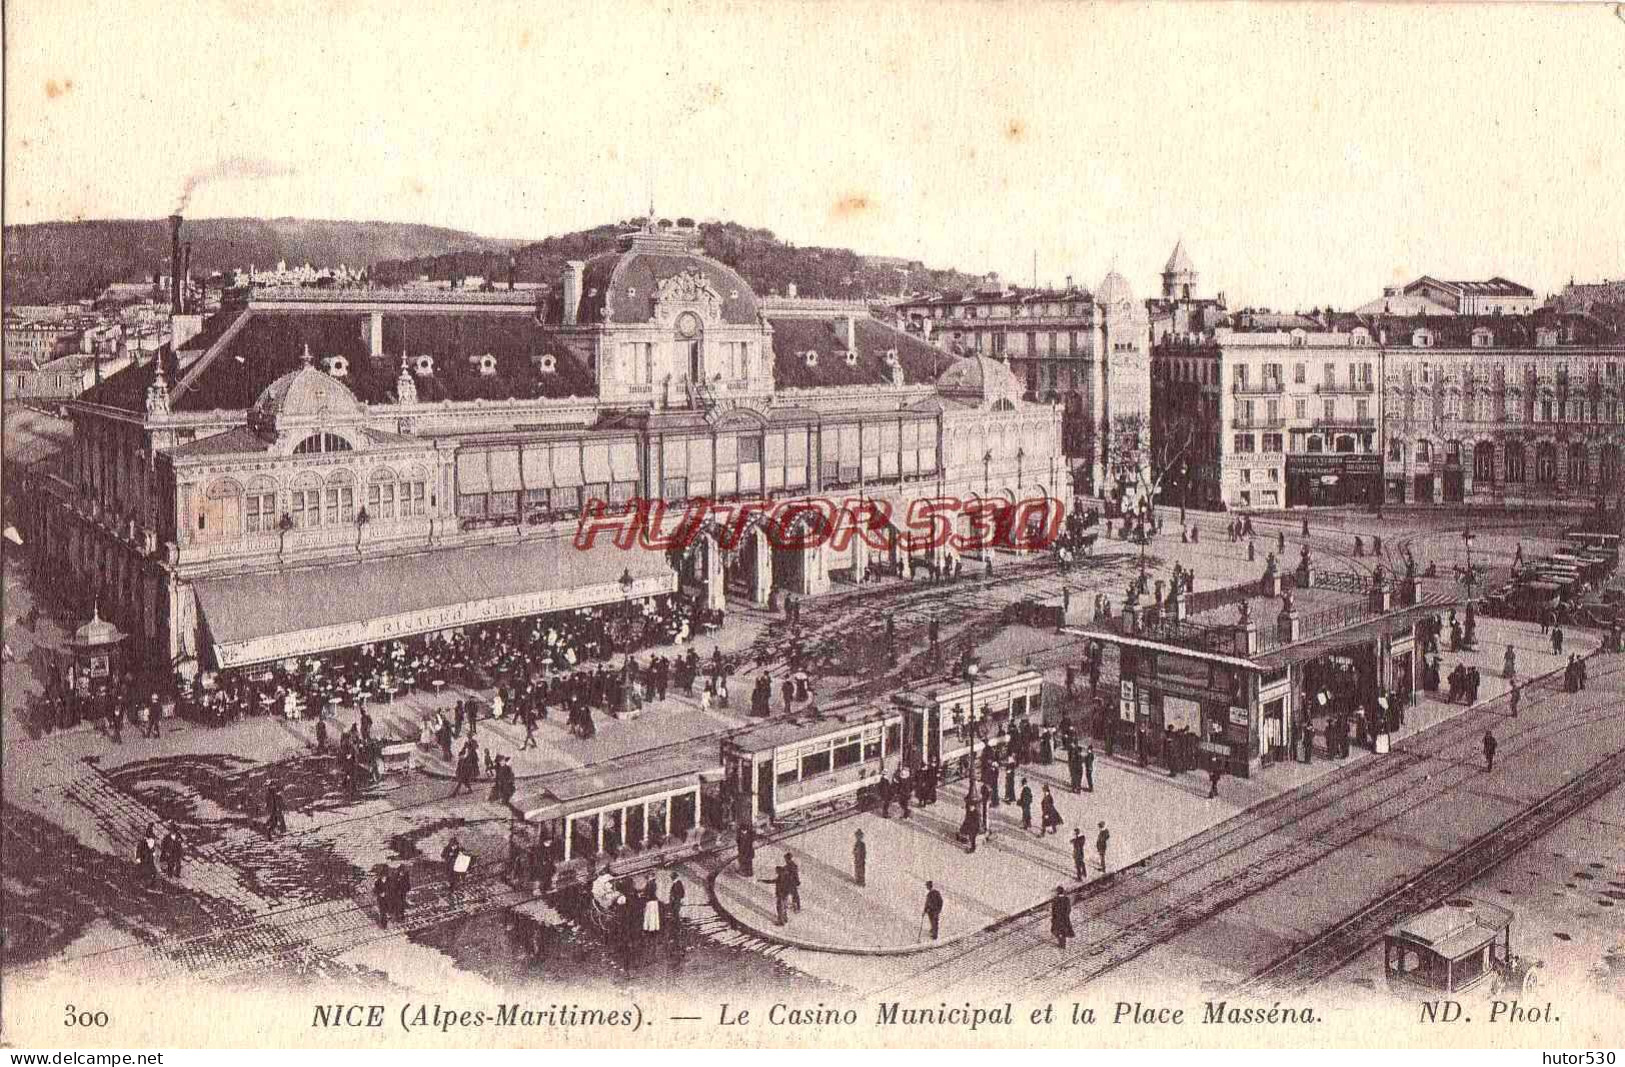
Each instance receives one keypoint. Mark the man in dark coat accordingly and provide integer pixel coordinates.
(169, 851)
(1074, 767)
(276, 821)
(400, 888)
(678, 892)
(1025, 803)
(1089, 769)
(792, 875)
(1489, 751)
(1010, 779)
(1102, 839)
(971, 826)
(1080, 854)
(860, 857)
(746, 839)
(1060, 916)
(933, 908)
(146, 856)
(781, 894)
(381, 891)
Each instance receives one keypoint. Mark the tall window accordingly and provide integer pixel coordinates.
(1329, 408)
(340, 492)
(260, 506)
(305, 504)
(381, 496)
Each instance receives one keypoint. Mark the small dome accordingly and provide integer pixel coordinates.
(1179, 262)
(98, 631)
(981, 377)
(304, 394)
(1113, 289)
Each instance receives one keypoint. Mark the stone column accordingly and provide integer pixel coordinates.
(761, 575)
(375, 334)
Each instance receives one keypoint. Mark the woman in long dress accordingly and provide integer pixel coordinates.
(651, 910)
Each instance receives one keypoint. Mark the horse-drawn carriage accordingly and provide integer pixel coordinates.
(1462, 944)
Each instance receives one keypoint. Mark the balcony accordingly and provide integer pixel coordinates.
(1346, 422)
(1242, 423)
(1347, 389)
(1267, 387)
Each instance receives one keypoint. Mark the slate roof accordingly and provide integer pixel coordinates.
(236, 440)
(628, 282)
(793, 337)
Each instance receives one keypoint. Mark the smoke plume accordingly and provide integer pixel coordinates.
(234, 167)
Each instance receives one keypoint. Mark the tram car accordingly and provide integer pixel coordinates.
(945, 719)
(1463, 944)
(783, 767)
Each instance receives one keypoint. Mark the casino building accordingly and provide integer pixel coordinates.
(314, 469)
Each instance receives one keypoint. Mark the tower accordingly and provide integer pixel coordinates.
(1179, 275)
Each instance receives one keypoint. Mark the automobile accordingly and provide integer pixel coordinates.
(1463, 944)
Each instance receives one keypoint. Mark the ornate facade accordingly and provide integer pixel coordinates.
(316, 468)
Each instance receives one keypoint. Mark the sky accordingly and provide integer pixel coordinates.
(1307, 155)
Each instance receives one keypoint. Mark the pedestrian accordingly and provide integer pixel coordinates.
(381, 890)
(651, 911)
(678, 892)
(781, 894)
(529, 718)
(1214, 772)
(1049, 816)
(1089, 769)
(883, 790)
(901, 789)
(1080, 854)
(457, 863)
(933, 909)
(1025, 803)
(146, 854)
(969, 827)
(1306, 526)
(989, 795)
(1514, 698)
(1074, 766)
(1557, 640)
(1281, 535)
(860, 857)
(793, 876)
(169, 851)
(1010, 779)
(276, 822)
(1490, 746)
(1060, 916)
(746, 839)
(115, 724)
(321, 734)
(1509, 664)
(401, 889)
(1102, 839)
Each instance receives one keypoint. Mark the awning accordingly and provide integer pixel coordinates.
(257, 617)
(1398, 622)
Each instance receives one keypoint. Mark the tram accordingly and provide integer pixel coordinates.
(946, 718)
(1458, 946)
(782, 767)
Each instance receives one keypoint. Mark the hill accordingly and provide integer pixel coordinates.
(53, 261)
(767, 263)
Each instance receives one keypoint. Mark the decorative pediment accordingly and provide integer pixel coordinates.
(689, 290)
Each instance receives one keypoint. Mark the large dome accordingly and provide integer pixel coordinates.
(624, 287)
(1114, 289)
(306, 394)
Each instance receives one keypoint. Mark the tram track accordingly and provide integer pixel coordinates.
(1149, 904)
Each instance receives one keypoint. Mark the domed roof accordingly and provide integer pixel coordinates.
(1114, 289)
(307, 394)
(982, 378)
(98, 631)
(1179, 262)
(626, 286)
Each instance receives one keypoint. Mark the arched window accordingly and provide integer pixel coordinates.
(322, 442)
(1424, 451)
(381, 495)
(1516, 465)
(220, 514)
(414, 486)
(340, 499)
(259, 510)
(1484, 463)
(305, 501)
(1396, 451)
(1546, 463)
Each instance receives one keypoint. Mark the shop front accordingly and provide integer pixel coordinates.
(1184, 708)
(1329, 479)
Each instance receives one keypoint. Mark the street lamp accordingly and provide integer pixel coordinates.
(1184, 489)
(1471, 579)
(971, 670)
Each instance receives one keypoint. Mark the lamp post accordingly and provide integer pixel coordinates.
(971, 670)
(626, 588)
(1471, 579)
(1184, 489)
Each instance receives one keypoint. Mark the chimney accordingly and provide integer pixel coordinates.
(175, 264)
(851, 334)
(574, 271)
(186, 274)
(512, 267)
